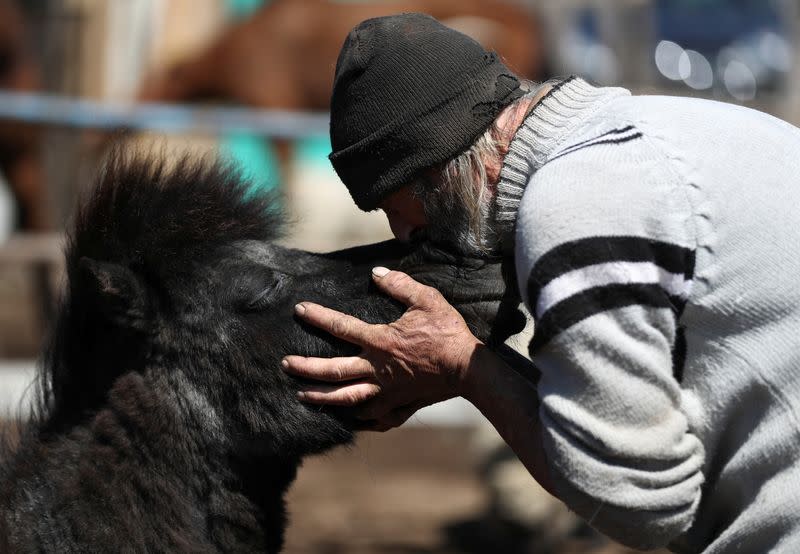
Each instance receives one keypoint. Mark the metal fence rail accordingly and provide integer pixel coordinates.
(51, 109)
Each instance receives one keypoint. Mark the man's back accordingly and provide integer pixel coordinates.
(682, 332)
(743, 318)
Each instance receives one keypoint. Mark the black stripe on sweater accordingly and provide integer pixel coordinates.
(620, 140)
(597, 250)
(598, 137)
(593, 301)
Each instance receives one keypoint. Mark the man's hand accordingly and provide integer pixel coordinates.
(418, 360)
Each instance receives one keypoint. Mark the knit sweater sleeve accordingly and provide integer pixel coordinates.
(605, 258)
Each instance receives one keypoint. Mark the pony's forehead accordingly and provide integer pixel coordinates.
(273, 256)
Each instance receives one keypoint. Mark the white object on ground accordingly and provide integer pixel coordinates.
(16, 377)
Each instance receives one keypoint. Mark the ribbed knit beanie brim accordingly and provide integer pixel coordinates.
(409, 93)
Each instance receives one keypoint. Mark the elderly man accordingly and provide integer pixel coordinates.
(656, 245)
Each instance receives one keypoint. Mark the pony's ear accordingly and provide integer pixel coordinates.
(116, 291)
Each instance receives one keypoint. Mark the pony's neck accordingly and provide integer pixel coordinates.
(141, 474)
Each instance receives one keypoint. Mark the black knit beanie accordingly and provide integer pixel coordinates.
(409, 93)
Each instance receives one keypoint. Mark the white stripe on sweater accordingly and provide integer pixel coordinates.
(610, 273)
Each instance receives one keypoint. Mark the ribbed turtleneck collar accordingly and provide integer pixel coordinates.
(565, 107)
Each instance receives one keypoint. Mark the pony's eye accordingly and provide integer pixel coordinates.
(264, 299)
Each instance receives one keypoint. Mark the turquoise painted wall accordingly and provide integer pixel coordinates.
(253, 154)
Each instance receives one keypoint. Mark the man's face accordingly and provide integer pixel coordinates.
(405, 213)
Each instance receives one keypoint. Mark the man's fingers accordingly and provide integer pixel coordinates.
(334, 395)
(340, 325)
(402, 287)
(328, 369)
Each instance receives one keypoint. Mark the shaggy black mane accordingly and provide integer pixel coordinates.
(142, 213)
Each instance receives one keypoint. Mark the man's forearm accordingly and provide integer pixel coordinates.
(510, 403)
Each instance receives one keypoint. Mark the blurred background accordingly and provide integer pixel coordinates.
(251, 79)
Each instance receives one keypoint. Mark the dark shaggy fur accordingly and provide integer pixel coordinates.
(164, 422)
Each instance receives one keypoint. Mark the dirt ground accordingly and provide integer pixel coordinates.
(410, 491)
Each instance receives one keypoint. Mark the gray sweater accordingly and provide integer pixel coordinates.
(658, 248)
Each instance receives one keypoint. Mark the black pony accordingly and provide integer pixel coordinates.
(164, 422)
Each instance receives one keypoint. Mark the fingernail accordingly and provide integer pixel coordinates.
(299, 309)
(285, 363)
(379, 271)
(301, 395)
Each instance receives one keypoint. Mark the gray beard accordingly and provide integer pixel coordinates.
(449, 224)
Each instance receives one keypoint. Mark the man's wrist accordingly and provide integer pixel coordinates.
(477, 375)
(508, 399)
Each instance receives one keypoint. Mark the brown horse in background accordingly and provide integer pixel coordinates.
(284, 55)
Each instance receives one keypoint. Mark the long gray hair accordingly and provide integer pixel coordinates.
(458, 197)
